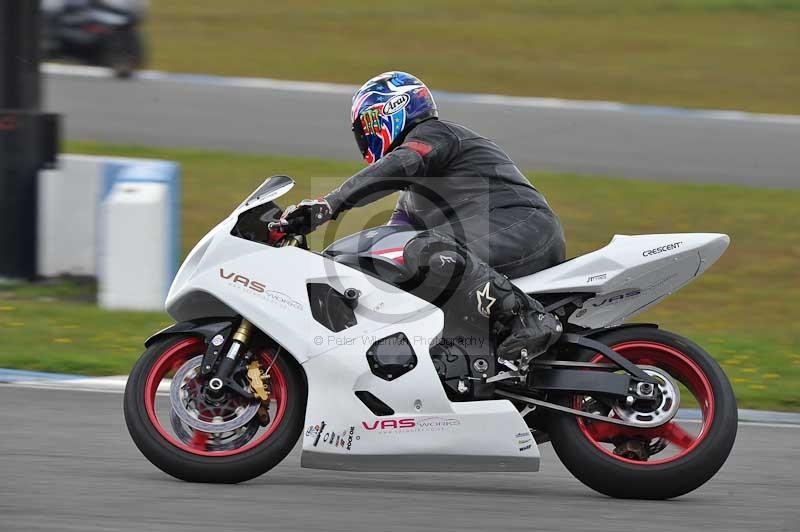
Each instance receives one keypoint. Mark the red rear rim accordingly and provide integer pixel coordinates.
(172, 359)
(681, 368)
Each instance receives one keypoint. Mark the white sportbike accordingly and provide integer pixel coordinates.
(275, 343)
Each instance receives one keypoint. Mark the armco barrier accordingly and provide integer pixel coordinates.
(110, 217)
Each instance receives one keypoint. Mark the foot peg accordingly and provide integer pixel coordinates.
(519, 368)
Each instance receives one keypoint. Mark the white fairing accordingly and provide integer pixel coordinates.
(427, 433)
(628, 275)
(227, 276)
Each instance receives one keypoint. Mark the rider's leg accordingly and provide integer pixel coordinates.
(484, 297)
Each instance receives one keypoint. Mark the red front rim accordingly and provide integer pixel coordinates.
(681, 368)
(177, 355)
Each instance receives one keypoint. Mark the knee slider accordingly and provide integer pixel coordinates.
(419, 253)
(446, 265)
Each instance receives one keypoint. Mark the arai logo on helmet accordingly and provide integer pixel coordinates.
(396, 103)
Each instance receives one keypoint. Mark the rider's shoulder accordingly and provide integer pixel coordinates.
(447, 129)
(435, 128)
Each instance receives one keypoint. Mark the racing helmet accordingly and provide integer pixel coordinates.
(385, 109)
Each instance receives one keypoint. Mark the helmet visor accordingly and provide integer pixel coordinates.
(361, 140)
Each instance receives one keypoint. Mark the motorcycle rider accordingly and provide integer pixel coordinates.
(482, 218)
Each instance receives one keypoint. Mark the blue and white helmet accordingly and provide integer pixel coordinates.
(385, 108)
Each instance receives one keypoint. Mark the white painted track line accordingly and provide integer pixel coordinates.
(479, 99)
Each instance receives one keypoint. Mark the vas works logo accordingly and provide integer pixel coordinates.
(385, 424)
(244, 281)
(425, 424)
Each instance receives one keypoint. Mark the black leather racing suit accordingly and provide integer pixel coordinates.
(481, 214)
(462, 184)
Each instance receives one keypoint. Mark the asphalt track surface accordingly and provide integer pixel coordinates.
(67, 463)
(594, 138)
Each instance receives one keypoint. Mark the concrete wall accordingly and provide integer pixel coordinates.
(108, 217)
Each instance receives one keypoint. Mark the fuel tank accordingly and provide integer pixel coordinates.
(377, 251)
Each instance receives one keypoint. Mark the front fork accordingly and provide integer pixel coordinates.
(222, 377)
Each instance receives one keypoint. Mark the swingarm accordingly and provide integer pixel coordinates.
(617, 381)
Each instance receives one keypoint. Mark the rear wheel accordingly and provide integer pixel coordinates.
(193, 435)
(665, 461)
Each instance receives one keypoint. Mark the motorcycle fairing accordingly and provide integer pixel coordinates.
(228, 276)
(628, 275)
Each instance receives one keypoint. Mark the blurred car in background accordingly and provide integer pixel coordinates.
(96, 32)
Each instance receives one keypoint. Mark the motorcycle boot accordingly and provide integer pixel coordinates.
(485, 298)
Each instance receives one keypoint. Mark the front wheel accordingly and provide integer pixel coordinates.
(197, 436)
(662, 462)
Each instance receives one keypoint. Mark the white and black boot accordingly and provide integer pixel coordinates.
(483, 296)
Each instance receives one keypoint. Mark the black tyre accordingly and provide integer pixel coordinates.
(219, 457)
(655, 463)
(123, 52)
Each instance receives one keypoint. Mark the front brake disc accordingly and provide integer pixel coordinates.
(189, 404)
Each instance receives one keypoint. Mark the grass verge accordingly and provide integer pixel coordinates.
(741, 54)
(742, 311)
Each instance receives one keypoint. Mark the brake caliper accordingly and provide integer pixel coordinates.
(259, 386)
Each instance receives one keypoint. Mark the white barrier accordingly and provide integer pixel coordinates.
(68, 207)
(132, 269)
(113, 218)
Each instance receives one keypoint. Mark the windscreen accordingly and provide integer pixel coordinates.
(274, 187)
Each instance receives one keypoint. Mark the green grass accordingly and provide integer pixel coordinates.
(742, 54)
(743, 311)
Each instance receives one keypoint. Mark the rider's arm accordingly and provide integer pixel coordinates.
(426, 149)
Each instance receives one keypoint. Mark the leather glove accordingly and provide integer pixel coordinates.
(304, 217)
